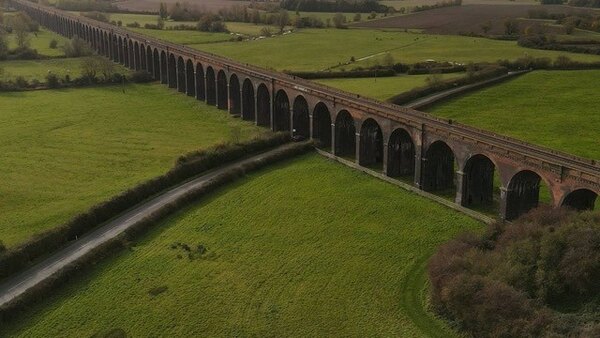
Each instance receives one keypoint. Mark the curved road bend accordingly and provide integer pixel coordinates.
(18, 284)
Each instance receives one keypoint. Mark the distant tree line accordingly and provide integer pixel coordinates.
(585, 3)
(361, 6)
(86, 5)
(449, 3)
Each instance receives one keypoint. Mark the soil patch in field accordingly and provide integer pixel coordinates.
(464, 19)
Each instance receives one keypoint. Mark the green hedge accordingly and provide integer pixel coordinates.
(11, 310)
(386, 72)
(478, 76)
(188, 166)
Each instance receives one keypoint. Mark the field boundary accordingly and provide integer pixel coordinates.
(429, 100)
(19, 291)
(450, 204)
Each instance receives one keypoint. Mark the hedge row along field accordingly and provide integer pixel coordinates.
(276, 254)
(66, 150)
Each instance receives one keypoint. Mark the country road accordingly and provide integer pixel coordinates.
(17, 285)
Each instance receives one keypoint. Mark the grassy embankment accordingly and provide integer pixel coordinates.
(66, 150)
(304, 248)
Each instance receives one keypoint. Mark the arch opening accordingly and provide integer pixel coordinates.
(479, 186)
(172, 73)
(281, 112)
(438, 169)
(401, 155)
(300, 118)
(181, 75)
(248, 102)
(371, 145)
(345, 135)
(163, 67)
(235, 101)
(190, 79)
(263, 106)
(322, 125)
(200, 86)
(581, 199)
(211, 90)
(222, 92)
(525, 192)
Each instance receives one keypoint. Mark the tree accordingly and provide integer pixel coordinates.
(357, 17)
(163, 13)
(511, 27)
(283, 20)
(339, 20)
(388, 60)
(94, 66)
(3, 45)
(76, 47)
(486, 27)
(20, 27)
(160, 24)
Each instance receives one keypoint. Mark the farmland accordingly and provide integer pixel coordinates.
(280, 260)
(317, 49)
(66, 150)
(41, 41)
(382, 88)
(465, 19)
(556, 109)
(39, 69)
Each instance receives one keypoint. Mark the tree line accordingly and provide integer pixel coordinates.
(363, 6)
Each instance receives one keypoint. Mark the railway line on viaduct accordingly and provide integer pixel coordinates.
(436, 155)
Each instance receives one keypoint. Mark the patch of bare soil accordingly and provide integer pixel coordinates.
(464, 19)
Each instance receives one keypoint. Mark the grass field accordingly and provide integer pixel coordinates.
(65, 150)
(317, 49)
(304, 248)
(38, 69)
(556, 109)
(41, 42)
(382, 88)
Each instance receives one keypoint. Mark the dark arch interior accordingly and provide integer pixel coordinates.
(120, 51)
(172, 72)
(345, 135)
(222, 92)
(322, 125)
(281, 113)
(211, 90)
(581, 199)
(142, 57)
(137, 59)
(181, 75)
(163, 68)
(200, 86)
(150, 62)
(300, 118)
(234, 95)
(371, 144)
(248, 105)
(263, 106)
(401, 155)
(478, 183)
(129, 57)
(523, 194)
(189, 78)
(438, 169)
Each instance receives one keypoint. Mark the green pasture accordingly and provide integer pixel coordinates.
(318, 49)
(301, 249)
(39, 69)
(66, 150)
(556, 109)
(41, 41)
(382, 88)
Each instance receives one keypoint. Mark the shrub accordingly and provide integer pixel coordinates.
(52, 81)
(53, 44)
(77, 47)
(134, 24)
(141, 76)
(507, 282)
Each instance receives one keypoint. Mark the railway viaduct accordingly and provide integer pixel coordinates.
(435, 155)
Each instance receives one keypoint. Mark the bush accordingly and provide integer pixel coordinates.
(23, 53)
(52, 81)
(77, 47)
(134, 24)
(187, 166)
(53, 44)
(506, 282)
(140, 76)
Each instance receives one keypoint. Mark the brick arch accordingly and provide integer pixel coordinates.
(401, 154)
(477, 182)
(190, 79)
(321, 125)
(248, 101)
(281, 111)
(300, 117)
(523, 193)
(263, 105)
(235, 99)
(345, 134)
(580, 199)
(211, 86)
(438, 167)
(371, 143)
(222, 91)
(200, 82)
